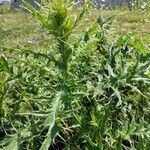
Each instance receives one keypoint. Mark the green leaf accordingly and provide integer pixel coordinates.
(117, 93)
(3, 63)
(29, 7)
(11, 143)
(51, 122)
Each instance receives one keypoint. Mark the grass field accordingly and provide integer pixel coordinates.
(19, 28)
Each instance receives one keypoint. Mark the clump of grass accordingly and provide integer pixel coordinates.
(83, 92)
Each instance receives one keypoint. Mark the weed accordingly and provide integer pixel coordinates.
(84, 92)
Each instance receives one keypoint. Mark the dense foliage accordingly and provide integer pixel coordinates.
(83, 92)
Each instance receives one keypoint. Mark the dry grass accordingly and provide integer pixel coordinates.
(136, 22)
(18, 29)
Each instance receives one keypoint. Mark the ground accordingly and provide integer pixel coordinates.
(21, 29)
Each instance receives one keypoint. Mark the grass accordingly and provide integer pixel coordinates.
(136, 22)
(88, 91)
(19, 28)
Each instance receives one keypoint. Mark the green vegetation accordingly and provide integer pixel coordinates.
(17, 28)
(75, 83)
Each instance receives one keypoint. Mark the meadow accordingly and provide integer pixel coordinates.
(74, 81)
(19, 28)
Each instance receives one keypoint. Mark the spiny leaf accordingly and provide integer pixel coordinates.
(51, 121)
(11, 143)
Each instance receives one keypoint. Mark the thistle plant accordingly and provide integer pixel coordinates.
(83, 92)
